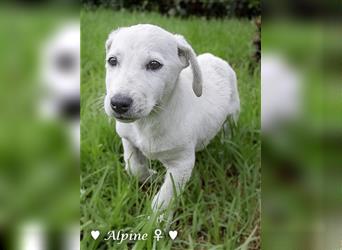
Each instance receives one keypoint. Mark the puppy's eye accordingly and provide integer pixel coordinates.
(153, 65)
(113, 61)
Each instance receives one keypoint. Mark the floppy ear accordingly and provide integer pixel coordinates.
(111, 38)
(187, 55)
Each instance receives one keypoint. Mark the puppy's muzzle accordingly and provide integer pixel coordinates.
(121, 104)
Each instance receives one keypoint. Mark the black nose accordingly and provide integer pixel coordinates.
(121, 104)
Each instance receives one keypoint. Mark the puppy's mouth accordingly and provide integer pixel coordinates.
(132, 115)
(125, 119)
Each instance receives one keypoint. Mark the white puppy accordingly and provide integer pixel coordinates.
(164, 109)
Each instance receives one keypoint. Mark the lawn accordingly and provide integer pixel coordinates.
(220, 208)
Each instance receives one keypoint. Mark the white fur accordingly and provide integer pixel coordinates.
(176, 110)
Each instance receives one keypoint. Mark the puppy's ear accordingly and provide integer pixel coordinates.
(111, 38)
(187, 55)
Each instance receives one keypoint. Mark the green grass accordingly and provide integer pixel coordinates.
(220, 208)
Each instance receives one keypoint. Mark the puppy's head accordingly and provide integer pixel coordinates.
(143, 63)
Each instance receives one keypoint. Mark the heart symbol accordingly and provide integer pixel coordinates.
(173, 234)
(95, 234)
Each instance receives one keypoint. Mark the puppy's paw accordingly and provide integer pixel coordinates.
(160, 218)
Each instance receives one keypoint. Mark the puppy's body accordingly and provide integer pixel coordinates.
(172, 125)
(185, 120)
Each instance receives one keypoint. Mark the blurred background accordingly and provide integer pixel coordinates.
(301, 120)
(185, 8)
(301, 125)
(39, 97)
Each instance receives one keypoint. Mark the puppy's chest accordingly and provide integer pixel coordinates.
(153, 145)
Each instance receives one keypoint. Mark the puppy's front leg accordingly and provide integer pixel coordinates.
(178, 173)
(136, 163)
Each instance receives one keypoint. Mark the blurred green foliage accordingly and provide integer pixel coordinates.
(186, 8)
(301, 163)
(38, 169)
